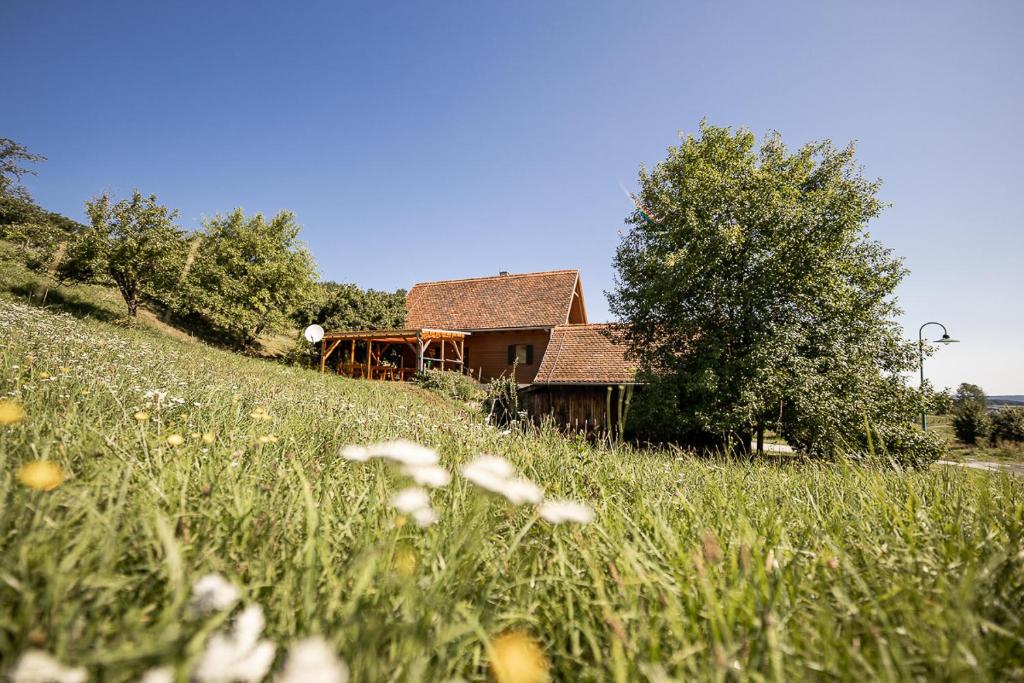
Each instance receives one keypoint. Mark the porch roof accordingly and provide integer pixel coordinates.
(407, 335)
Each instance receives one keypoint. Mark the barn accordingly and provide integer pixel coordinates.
(567, 369)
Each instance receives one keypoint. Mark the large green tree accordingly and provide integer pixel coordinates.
(247, 275)
(755, 298)
(133, 243)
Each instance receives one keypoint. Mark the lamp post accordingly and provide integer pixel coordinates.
(945, 339)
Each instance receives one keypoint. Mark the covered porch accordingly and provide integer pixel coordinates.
(392, 355)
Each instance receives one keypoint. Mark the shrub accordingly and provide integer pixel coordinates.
(907, 446)
(502, 400)
(970, 416)
(1007, 424)
(971, 424)
(450, 384)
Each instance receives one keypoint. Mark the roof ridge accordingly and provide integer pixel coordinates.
(579, 325)
(499, 277)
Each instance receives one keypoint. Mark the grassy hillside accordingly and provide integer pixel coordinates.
(104, 303)
(692, 569)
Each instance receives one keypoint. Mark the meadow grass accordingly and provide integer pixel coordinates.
(694, 569)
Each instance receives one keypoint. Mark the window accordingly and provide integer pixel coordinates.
(520, 354)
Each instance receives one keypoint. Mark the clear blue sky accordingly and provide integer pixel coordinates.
(431, 140)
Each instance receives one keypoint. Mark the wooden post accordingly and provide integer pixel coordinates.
(442, 352)
(369, 357)
(352, 360)
(419, 353)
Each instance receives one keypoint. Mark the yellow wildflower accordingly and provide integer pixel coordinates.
(268, 438)
(44, 375)
(175, 440)
(260, 414)
(208, 437)
(41, 475)
(142, 416)
(515, 657)
(11, 412)
(406, 561)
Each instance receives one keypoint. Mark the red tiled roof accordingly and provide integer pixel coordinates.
(501, 301)
(584, 354)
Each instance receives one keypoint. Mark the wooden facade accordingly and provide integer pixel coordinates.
(488, 356)
(589, 408)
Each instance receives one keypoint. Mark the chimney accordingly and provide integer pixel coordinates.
(503, 272)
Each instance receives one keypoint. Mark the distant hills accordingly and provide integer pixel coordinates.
(1007, 400)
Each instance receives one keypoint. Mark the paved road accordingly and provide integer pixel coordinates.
(1012, 468)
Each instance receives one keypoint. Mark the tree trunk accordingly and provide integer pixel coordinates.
(760, 439)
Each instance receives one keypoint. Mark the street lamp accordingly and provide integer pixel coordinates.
(945, 339)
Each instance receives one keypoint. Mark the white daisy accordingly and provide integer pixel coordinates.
(239, 656)
(433, 476)
(404, 453)
(313, 661)
(416, 502)
(36, 666)
(424, 517)
(519, 491)
(558, 511)
(495, 474)
(490, 464)
(411, 499)
(354, 453)
(213, 593)
(163, 674)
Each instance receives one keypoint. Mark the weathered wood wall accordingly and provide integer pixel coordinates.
(574, 407)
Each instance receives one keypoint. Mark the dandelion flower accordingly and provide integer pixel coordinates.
(41, 475)
(175, 440)
(267, 438)
(260, 414)
(44, 375)
(213, 593)
(354, 453)
(208, 437)
(162, 674)
(11, 412)
(239, 655)
(433, 476)
(406, 560)
(515, 657)
(142, 416)
(36, 666)
(559, 511)
(313, 661)
(404, 453)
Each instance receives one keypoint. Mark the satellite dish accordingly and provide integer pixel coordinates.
(313, 333)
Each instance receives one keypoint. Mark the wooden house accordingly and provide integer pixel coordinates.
(536, 323)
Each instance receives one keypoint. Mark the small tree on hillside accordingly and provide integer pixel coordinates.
(249, 275)
(755, 297)
(970, 413)
(134, 243)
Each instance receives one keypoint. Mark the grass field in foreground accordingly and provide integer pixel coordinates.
(692, 569)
